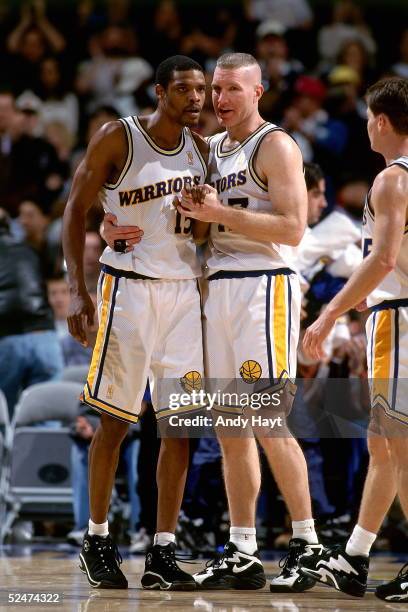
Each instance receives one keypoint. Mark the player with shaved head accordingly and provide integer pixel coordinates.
(256, 202)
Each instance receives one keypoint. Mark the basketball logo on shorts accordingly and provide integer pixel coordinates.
(250, 371)
(191, 381)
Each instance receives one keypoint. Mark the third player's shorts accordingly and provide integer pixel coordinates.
(147, 329)
(251, 323)
(387, 358)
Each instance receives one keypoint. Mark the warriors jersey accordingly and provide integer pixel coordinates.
(143, 196)
(395, 284)
(232, 172)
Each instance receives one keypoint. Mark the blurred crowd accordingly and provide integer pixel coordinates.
(65, 70)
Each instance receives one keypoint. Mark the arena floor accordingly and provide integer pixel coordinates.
(54, 570)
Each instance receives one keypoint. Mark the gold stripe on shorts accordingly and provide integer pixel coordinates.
(96, 355)
(280, 326)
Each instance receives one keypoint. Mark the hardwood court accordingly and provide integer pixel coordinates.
(54, 570)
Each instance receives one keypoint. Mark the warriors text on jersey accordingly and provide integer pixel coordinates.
(395, 284)
(232, 172)
(143, 196)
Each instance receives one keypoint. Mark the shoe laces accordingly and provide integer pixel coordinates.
(110, 555)
(218, 559)
(289, 561)
(403, 571)
(169, 556)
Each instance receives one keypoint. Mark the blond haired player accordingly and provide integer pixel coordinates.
(381, 280)
(257, 202)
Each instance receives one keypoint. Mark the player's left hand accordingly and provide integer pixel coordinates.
(316, 334)
(200, 202)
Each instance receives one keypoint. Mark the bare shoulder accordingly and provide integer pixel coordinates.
(391, 182)
(202, 144)
(277, 153)
(111, 133)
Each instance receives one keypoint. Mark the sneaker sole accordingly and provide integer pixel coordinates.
(234, 584)
(282, 588)
(99, 585)
(339, 585)
(155, 583)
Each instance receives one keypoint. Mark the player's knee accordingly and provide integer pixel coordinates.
(113, 430)
(379, 450)
(399, 452)
(175, 445)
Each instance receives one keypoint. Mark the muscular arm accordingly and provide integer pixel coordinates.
(279, 164)
(103, 160)
(390, 201)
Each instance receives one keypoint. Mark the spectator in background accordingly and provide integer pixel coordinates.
(115, 73)
(354, 55)
(293, 14)
(347, 24)
(58, 298)
(28, 44)
(75, 353)
(400, 68)
(92, 252)
(29, 164)
(58, 103)
(319, 137)
(165, 39)
(29, 348)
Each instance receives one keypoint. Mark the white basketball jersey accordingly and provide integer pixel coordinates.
(143, 196)
(395, 284)
(233, 174)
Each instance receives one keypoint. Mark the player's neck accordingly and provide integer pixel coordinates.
(238, 133)
(164, 131)
(397, 147)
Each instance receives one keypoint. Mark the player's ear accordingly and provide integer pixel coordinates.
(259, 89)
(160, 91)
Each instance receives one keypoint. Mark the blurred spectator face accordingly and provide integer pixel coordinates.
(92, 252)
(50, 73)
(60, 137)
(352, 197)
(354, 55)
(33, 220)
(272, 46)
(307, 105)
(7, 111)
(234, 95)
(32, 46)
(346, 11)
(316, 199)
(98, 120)
(184, 97)
(166, 15)
(29, 122)
(58, 297)
(310, 95)
(117, 41)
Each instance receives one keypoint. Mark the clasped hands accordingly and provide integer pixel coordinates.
(199, 202)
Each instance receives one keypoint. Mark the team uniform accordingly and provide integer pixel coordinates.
(252, 311)
(148, 300)
(387, 326)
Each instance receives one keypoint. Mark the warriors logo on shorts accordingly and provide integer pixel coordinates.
(191, 381)
(250, 371)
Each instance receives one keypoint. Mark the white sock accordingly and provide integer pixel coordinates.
(360, 542)
(98, 529)
(244, 539)
(163, 538)
(305, 530)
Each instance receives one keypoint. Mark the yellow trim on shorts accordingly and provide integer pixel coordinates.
(162, 414)
(382, 354)
(280, 333)
(102, 407)
(106, 299)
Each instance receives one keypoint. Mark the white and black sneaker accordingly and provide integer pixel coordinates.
(290, 579)
(232, 570)
(335, 567)
(397, 589)
(100, 560)
(163, 573)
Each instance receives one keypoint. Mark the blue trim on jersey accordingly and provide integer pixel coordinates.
(247, 273)
(105, 344)
(125, 273)
(268, 328)
(289, 320)
(389, 304)
(396, 357)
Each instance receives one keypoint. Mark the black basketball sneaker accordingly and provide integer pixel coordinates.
(163, 573)
(100, 560)
(396, 590)
(232, 570)
(335, 567)
(291, 579)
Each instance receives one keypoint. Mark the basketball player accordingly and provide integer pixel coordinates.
(381, 280)
(257, 201)
(149, 306)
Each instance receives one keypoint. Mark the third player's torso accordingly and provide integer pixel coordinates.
(143, 196)
(232, 173)
(395, 284)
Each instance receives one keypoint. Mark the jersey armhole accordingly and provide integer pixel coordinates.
(128, 159)
(255, 177)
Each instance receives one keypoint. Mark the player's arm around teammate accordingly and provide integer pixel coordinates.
(279, 164)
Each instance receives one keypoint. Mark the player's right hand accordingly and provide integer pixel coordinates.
(111, 231)
(81, 315)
